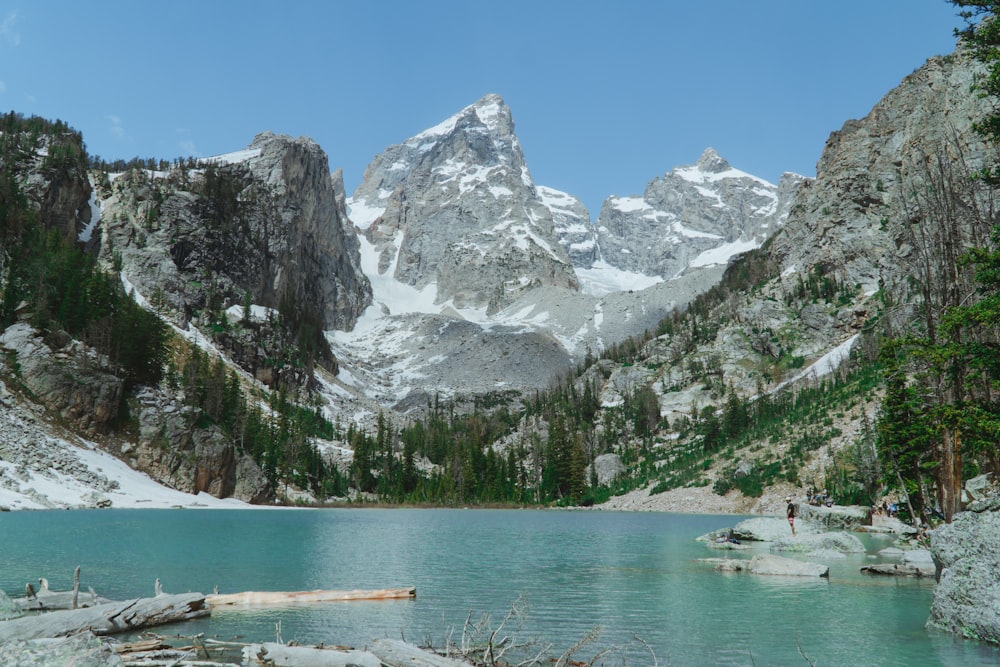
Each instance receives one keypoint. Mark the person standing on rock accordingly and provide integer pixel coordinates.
(790, 511)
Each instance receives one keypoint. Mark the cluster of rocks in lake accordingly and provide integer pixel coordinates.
(963, 557)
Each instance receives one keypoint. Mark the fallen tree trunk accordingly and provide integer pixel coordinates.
(52, 600)
(396, 653)
(280, 655)
(287, 597)
(893, 570)
(107, 619)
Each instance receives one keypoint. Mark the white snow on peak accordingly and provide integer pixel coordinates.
(231, 158)
(488, 110)
(557, 199)
(629, 204)
(693, 174)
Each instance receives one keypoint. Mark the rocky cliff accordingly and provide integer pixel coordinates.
(265, 222)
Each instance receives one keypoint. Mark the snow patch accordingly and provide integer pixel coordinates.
(724, 253)
(602, 278)
(362, 214)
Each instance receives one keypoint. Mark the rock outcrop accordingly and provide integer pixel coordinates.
(73, 380)
(174, 449)
(607, 468)
(967, 557)
(837, 517)
(266, 221)
(835, 541)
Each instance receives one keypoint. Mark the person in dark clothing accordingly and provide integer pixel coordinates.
(790, 511)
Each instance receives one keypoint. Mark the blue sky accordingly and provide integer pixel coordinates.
(605, 96)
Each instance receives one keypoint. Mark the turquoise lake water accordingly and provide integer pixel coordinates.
(632, 574)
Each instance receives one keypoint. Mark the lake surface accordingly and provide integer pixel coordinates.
(631, 574)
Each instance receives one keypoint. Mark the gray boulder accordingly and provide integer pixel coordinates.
(842, 542)
(770, 564)
(967, 555)
(836, 517)
(769, 529)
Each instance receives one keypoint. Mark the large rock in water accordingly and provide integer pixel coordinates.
(768, 564)
(769, 529)
(842, 542)
(967, 555)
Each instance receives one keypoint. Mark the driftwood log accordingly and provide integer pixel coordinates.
(293, 597)
(46, 600)
(897, 570)
(396, 653)
(280, 655)
(107, 619)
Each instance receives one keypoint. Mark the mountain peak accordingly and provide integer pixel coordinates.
(712, 162)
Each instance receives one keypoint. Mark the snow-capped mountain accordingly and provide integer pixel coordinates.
(472, 270)
(455, 208)
(693, 216)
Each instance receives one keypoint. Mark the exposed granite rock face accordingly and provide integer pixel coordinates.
(853, 217)
(73, 381)
(607, 467)
(455, 206)
(267, 221)
(58, 188)
(174, 450)
(691, 216)
(967, 556)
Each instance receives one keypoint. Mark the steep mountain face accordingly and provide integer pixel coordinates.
(691, 216)
(455, 207)
(264, 221)
(855, 219)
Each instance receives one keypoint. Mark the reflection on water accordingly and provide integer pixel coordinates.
(628, 574)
